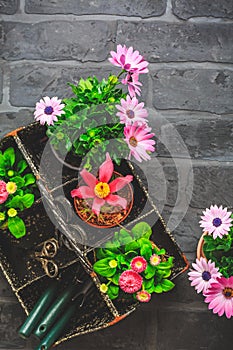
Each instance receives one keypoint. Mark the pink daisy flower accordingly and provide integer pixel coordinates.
(155, 260)
(139, 141)
(143, 296)
(131, 80)
(48, 109)
(216, 221)
(100, 189)
(131, 111)
(204, 273)
(138, 264)
(130, 281)
(128, 59)
(220, 297)
(3, 192)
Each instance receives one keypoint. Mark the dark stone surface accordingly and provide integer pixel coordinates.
(147, 8)
(57, 40)
(193, 89)
(184, 134)
(185, 9)
(166, 42)
(9, 7)
(1, 84)
(11, 317)
(12, 120)
(33, 81)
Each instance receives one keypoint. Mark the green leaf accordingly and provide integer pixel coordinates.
(21, 166)
(124, 237)
(115, 279)
(9, 156)
(2, 172)
(149, 272)
(102, 268)
(113, 291)
(167, 285)
(142, 229)
(146, 251)
(18, 180)
(15, 202)
(134, 245)
(29, 179)
(28, 200)
(2, 161)
(16, 227)
(147, 284)
(158, 288)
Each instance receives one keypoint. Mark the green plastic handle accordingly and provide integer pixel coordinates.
(58, 328)
(54, 312)
(37, 312)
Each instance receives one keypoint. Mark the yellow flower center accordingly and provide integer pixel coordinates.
(133, 142)
(138, 264)
(113, 264)
(102, 190)
(143, 296)
(11, 187)
(12, 212)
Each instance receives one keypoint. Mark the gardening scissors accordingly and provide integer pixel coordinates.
(46, 255)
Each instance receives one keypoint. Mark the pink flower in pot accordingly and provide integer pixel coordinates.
(100, 189)
(3, 192)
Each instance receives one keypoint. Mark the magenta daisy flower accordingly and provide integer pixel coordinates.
(131, 111)
(130, 281)
(3, 192)
(129, 60)
(131, 80)
(220, 297)
(216, 221)
(48, 109)
(138, 264)
(139, 141)
(204, 273)
(100, 190)
(143, 296)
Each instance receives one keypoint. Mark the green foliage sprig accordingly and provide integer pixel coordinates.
(90, 121)
(220, 251)
(117, 255)
(14, 172)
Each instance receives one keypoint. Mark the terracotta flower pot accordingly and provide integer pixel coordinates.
(111, 215)
(200, 251)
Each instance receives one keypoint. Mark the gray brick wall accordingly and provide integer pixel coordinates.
(189, 45)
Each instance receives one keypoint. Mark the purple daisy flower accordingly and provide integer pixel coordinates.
(216, 221)
(48, 109)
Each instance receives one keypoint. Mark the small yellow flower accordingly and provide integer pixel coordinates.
(112, 263)
(60, 136)
(12, 212)
(113, 79)
(91, 133)
(2, 216)
(11, 187)
(103, 288)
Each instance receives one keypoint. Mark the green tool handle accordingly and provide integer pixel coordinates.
(58, 327)
(37, 312)
(54, 312)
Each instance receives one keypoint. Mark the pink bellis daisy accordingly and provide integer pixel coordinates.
(131, 80)
(131, 111)
(100, 189)
(143, 296)
(129, 60)
(130, 281)
(48, 109)
(138, 138)
(3, 192)
(155, 260)
(216, 221)
(204, 273)
(138, 264)
(220, 297)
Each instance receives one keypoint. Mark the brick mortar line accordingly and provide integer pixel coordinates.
(167, 18)
(105, 64)
(197, 162)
